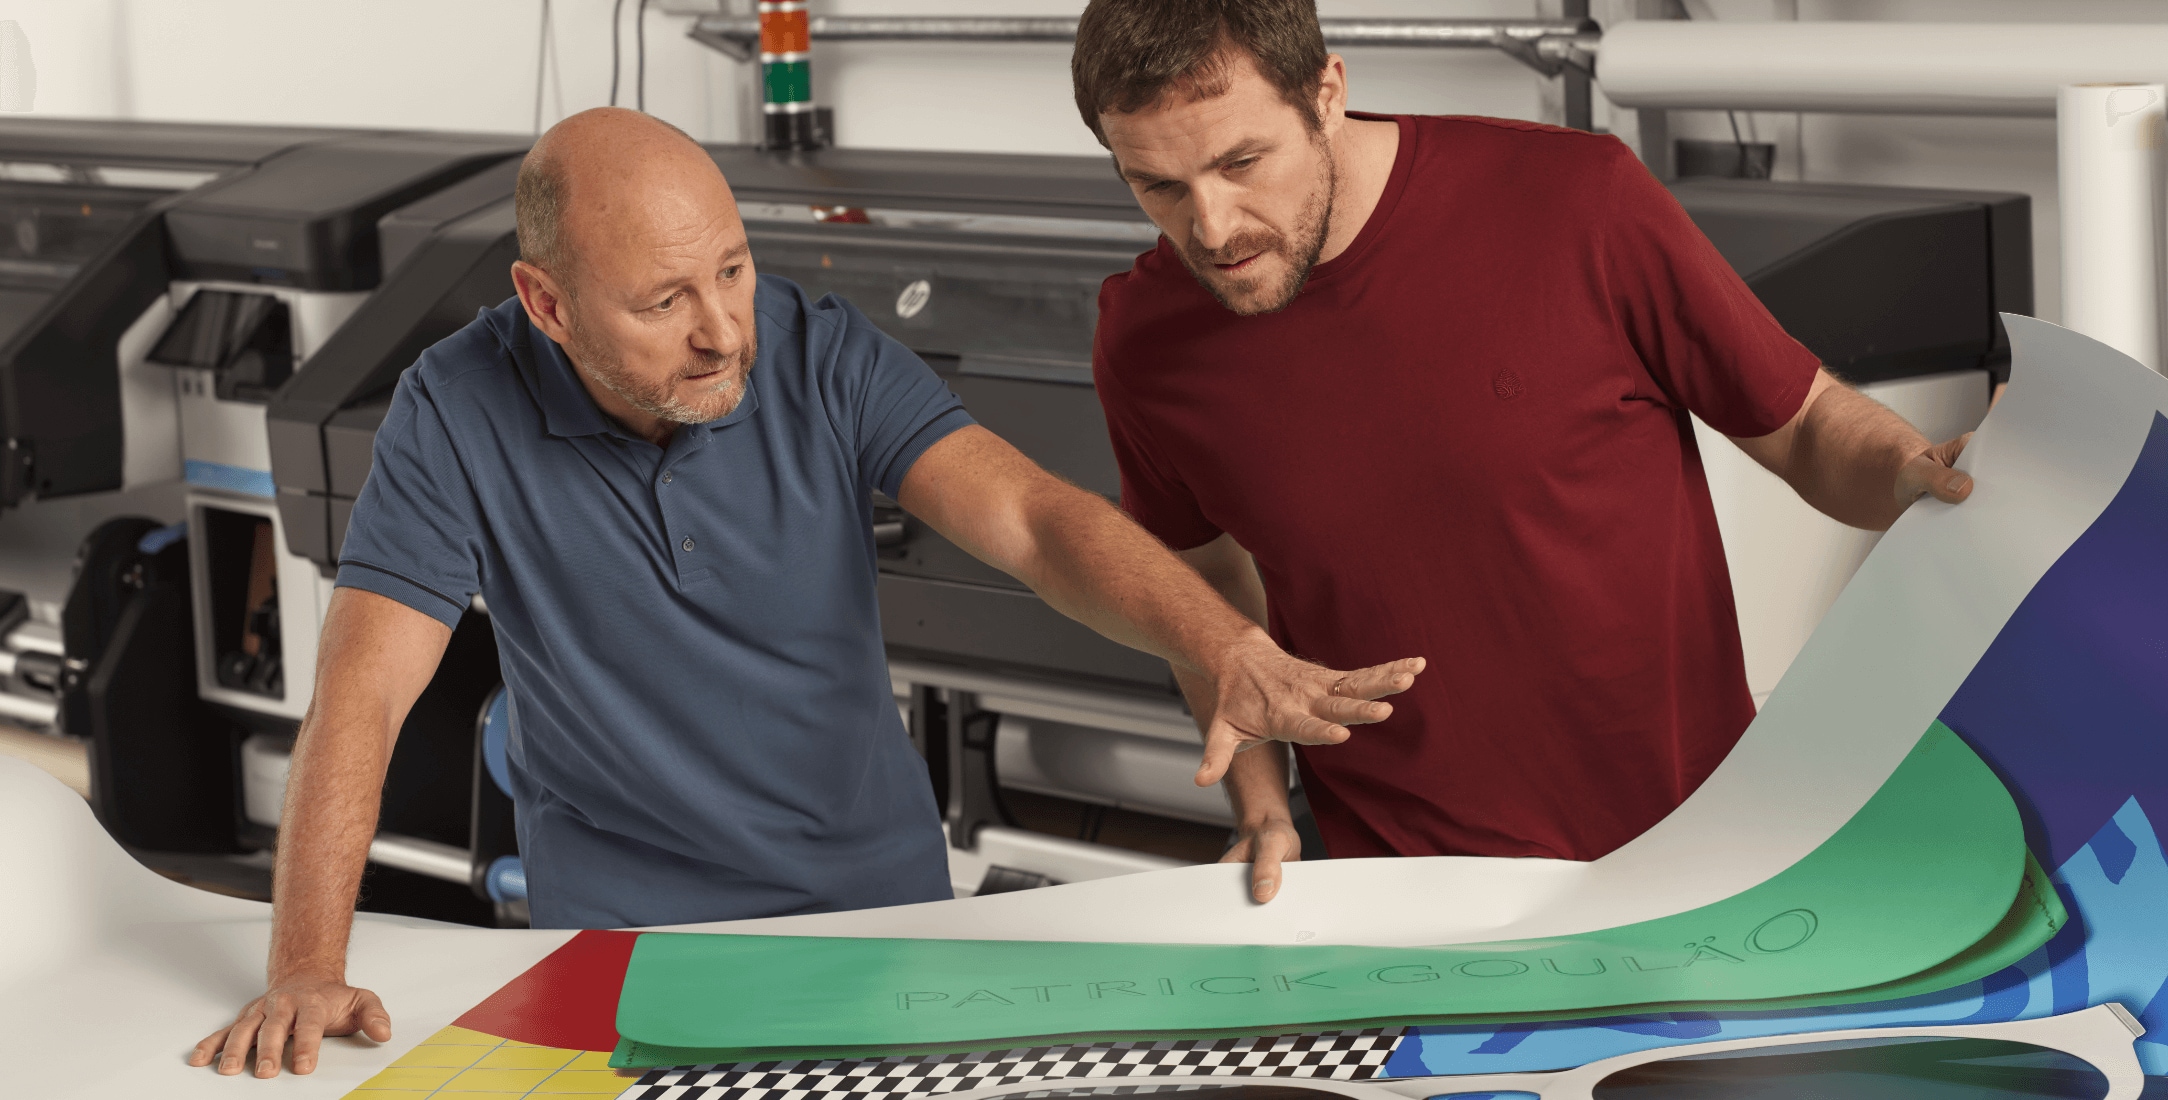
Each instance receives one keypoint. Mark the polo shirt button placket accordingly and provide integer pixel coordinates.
(687, 544)
(668, 477)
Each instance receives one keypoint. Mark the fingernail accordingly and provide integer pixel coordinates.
(1960, 483)
(264, 1066)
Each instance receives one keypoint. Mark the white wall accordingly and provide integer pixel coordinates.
(472, 65)
(1017, 98)
(438, 64)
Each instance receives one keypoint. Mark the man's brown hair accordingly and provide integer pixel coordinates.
(1131, 53)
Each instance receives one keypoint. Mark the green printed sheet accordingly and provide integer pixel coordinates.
(1928, 886)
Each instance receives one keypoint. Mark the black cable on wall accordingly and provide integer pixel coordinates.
(541, 63)
(639, 38)
(617, 19)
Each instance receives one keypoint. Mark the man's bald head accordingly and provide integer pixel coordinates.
(596, 153)
(638, 217)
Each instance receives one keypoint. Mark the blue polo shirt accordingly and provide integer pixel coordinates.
(702, 722)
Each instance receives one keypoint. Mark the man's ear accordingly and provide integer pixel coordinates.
(1332, 93)
(544, 299)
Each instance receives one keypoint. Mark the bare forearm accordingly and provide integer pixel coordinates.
(1092, 564)
(374, 658)
(1846, 456)
(1078, 552)
(1256, 785)
(332, 796)
(1256, 781)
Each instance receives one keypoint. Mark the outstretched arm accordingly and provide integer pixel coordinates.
(375, 657)
(1856, 461)
(1093, 564)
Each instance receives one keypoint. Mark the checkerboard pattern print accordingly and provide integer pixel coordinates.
(1337, 1055)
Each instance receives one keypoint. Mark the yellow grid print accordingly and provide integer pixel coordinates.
(456, 1062)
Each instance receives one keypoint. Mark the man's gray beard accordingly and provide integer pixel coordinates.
(1311, 228)
(661, 400)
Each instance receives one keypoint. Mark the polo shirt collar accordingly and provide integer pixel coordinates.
(569, 410)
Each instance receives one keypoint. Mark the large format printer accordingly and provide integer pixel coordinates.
(161, 282)
(989, 266)
(89, 437)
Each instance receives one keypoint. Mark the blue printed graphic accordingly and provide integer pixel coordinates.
(235, 479)
(2070, 707)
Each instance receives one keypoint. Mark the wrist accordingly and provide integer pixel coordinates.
(280, 980)
(307, 970)
(1235, 649)
(1260, 803)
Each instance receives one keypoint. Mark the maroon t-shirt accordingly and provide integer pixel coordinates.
(1467, 440)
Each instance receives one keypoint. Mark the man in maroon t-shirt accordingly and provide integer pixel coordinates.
(1419, 387)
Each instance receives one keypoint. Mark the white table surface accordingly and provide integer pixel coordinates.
(110, 973)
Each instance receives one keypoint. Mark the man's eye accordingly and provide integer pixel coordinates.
(1161, 187)
(1243, 164)
(664, 305)
(732, 271)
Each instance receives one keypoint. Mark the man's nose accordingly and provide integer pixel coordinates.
(1211, 218)
(717, 331)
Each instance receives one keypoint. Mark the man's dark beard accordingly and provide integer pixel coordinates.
(1310, 230)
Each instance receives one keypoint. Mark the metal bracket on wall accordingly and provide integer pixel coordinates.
(1549, 46)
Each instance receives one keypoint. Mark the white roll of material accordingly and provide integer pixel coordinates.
(2112, 173)
(1995, 69)
(265, 762)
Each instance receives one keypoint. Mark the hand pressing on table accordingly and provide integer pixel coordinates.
(301, 1009)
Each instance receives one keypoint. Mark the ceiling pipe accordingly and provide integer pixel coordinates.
(1549, 46)
(1986, 69)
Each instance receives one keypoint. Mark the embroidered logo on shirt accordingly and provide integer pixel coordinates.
(1507, 384)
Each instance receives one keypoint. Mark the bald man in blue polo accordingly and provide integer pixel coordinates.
(654, 464)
